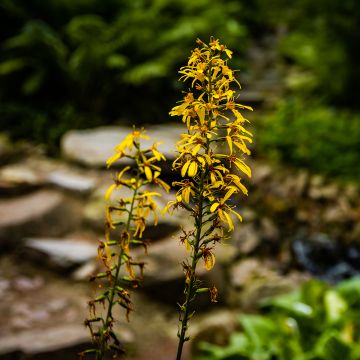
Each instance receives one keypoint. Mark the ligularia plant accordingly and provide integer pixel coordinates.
(125, 223)
(211, 161)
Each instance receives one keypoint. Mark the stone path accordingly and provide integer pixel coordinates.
(52, 216)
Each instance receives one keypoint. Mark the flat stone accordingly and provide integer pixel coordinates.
(60, 342)
(260, 172)
(163, 275)
(72, 182)
(36, 171)
(246, 238)
(214, 327)
(44, 212)
(94, 146)
(60, 253)
(17, 178)
(254, 280)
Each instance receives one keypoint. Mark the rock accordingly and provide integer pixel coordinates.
(164, 276)
(294, 186)
(260, 172)
(36, 171)
(84, 271)
(246, 238)
(72, 181)
(26, 174)
(61, 254)
(268, 230)
(57, 343)
(254, 280)
(25, 284)
(246, 270)
(40, 213)
(17, 178)
(6, 149)
(318, 189)
(93, 147)
(214, 327)
(326, 258)
(340, 212)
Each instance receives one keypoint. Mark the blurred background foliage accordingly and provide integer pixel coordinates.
(316, 322)
(76, 64)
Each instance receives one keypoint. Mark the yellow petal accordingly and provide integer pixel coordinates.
(109, 191)
(209, 260)
(229, 221)
(113, 158)
(214, 206)
(243, 167)
(184, 168)
(229, 193)
(237, 214)
(193, 168)
(148, 173)
(201, 114)
(229, 141)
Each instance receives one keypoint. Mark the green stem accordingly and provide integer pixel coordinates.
(190, 287)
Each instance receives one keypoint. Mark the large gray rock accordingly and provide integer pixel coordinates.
(36, 171)
(41, 213)
(253, 280)
(60, 253)
(31, 343)
(93, 147)
(71, 181)
(164, 278)
(56, 343)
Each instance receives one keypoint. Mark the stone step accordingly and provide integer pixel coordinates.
(93, 147)
(40, 213)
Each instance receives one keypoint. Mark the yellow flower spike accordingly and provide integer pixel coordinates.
(208, 111)
(128, 216)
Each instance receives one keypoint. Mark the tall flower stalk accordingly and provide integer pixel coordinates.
(125, 223)
(211, 162)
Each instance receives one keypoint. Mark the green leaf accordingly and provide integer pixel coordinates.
(10, 66)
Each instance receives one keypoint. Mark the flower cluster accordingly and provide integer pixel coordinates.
(211, 160)
(125, 224)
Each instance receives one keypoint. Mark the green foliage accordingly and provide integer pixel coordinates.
(93, 56)
(315, 323)
(315, 136)
(318, 42)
